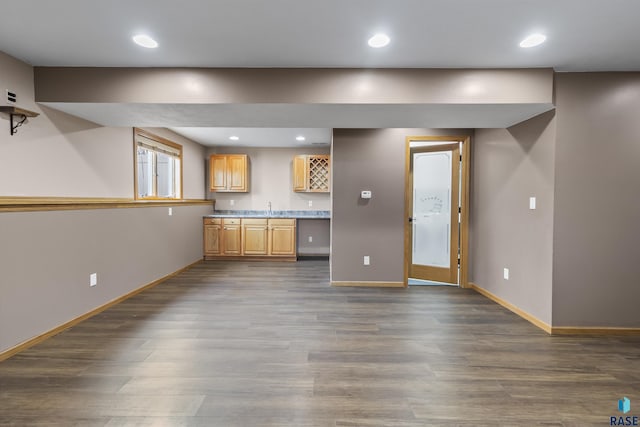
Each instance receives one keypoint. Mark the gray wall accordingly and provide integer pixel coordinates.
(509, 166)
(319, 230)
(370, 159)
(596, 266)
(46, 259)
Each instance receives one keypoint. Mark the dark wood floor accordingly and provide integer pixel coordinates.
(272, 344)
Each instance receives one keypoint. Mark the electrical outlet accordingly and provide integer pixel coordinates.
(93, 279)
(310, 203)
(310, 239)
(170, 211)
(232, 202)
(505, 274)
(367, 260)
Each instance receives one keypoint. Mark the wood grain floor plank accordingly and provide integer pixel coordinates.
(273, 344)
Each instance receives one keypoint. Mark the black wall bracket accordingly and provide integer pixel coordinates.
(17, 117)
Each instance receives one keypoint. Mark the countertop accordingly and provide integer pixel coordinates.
(272, 214)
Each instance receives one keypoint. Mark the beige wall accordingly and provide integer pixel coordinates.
(46, 257)
(294, 85)
(56, 154)
(271, 180)
(370, 159)
(509, 166)
(595, 252)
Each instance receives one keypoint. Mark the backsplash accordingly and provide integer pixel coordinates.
(283, 200)
(311, 214)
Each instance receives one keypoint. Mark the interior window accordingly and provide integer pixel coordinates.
(158, 172)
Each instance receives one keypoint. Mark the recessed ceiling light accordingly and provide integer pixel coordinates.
(145, 41)
(379, 40)
(300, 138)
(234, 138)
(533, 40)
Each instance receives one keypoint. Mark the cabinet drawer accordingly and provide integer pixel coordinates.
(231, 221)
(254, 221)
(282, 221)
(212, 221)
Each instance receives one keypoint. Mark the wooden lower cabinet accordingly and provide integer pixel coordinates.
(258, 238)
(255, 236)
(231, 237)
(212, 228)
(282, 241)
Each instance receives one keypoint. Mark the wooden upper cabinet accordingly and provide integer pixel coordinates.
(228, 173)
(237, 172)
(311, 173)
(300, 173)
(218, 172)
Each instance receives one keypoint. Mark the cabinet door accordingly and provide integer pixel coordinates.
(237, 172)
(231, 242)
(300, 173)
(212, 239)
(218, 172)
(282, 237)
(254, 236)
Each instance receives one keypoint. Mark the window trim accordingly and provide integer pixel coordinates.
(148, 135)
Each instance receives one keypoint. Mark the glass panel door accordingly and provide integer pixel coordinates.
(434, 212)
(432, 209)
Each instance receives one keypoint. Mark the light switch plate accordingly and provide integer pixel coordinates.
(170, 211)
(367, 260)
(532, 203)
(93, 279)
(505, 274)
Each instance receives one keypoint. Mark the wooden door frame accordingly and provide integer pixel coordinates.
(464, 201)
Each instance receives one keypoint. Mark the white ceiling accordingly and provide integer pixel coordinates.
(582, 35)
(257, 137)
